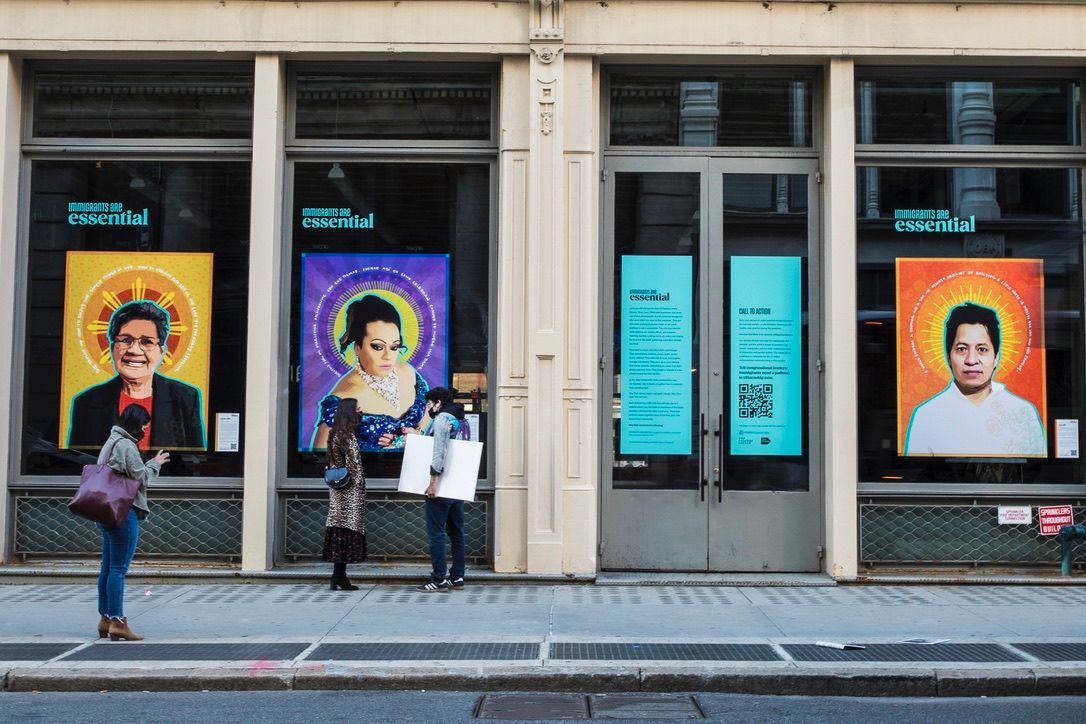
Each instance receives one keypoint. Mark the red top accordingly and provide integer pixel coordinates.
(145, 403)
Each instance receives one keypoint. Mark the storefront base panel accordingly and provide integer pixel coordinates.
(904, 533)
(395, 527)
(182, 526)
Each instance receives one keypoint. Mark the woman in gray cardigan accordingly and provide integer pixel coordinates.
(121, 452)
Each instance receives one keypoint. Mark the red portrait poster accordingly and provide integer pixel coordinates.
(971, 358)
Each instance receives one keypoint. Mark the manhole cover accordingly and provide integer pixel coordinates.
(645, 706)
(532, 707)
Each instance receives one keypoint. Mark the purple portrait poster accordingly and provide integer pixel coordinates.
(417, 288)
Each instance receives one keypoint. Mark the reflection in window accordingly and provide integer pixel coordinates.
(1043, 112)
(182, 103)
(711, 110)
(403, 105)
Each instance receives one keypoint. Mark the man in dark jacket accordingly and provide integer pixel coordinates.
(137, 336)
(443, 514)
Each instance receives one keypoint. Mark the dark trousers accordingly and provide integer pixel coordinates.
(118, 548)
(444, 515)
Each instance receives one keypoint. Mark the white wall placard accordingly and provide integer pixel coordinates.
(1015, 515)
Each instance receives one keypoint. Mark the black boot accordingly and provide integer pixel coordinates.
(340, 582)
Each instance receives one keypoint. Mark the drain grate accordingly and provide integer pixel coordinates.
(425, 651)
(645, 706)
(532, 707)
(188, 652)
(985, 653)
(662, 652)
(1054, 652)
(33, 652)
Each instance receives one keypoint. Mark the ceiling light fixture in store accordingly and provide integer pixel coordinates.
(336, 171)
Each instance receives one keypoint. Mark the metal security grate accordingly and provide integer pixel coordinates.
(188, 527)
(438, 651)
(532, 707)
(506, 595)
(1054, 652)
(394, 528)
(841, 597)
(188, 652)
(652, 596)
(953, 534)
(33, 652)
(662, 652)
(972, 653)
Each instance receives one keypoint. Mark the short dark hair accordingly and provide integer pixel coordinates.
(440, 394)
(132, 420)
(141, 309)
(360, 312)
(970, 313)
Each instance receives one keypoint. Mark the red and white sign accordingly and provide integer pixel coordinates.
(1054, 517)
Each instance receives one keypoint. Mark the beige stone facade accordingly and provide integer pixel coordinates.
(553, 54)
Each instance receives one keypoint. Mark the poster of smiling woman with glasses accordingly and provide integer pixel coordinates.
(374, 330)
(143, 323)
(971, 358)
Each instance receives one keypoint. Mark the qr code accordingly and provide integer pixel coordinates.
(755, 400)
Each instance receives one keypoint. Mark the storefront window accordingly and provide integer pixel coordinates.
(136, 293)
(704, 108)
(394, 104)
(390, 297)
(969, 110)
(169, 102)
(971, 359)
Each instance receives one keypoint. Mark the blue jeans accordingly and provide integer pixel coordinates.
(445, 515)
(118, 548)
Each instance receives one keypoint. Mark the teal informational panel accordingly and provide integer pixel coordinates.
(766, 356)
(657, 338)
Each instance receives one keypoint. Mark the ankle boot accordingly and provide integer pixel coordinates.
(343, 584)
(103, 627)
(119, 630)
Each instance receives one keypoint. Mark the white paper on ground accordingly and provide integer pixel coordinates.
(461, 467)
(835, 645)
(923, 642)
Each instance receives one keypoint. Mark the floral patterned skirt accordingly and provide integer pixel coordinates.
(342, 545)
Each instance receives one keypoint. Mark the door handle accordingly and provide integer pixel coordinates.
(720, 460)
(701, 457)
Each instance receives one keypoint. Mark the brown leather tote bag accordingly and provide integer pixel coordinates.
(104, 495)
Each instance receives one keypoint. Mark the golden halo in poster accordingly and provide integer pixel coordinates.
(136, 330)
(971, 358)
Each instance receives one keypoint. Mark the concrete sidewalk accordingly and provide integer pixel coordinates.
(1000, 640)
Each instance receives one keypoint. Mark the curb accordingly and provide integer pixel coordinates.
(842, 682)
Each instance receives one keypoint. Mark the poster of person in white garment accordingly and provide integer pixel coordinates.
(971, 358)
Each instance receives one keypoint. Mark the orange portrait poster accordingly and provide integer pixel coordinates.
(136, 331)
(971, 358)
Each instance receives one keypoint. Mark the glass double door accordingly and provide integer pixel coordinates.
(712, 360)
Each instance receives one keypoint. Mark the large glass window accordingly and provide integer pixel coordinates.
(179, 101)
(971, 359)
(976, 109)
(390, 296)
(399, 104)
(709, 108)
(137, 278)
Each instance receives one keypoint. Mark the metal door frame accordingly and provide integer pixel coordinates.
(711, 169)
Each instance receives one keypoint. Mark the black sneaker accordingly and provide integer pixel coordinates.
(457, 584)
(432, 587)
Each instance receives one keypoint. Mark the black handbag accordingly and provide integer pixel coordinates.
(104, 496)
(336, 478)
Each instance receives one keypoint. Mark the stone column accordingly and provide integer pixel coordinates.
(973, 114)
(839, 291)
(548, 307)
(10, 117)
(265, 346)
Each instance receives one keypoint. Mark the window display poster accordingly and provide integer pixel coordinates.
(657, 338)
(137, 329)
(971, 358)
(375, 329)
(766, 356)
